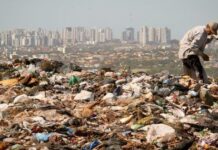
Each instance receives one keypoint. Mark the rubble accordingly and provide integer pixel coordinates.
(42, 107)
(84, 96)
(160, 133)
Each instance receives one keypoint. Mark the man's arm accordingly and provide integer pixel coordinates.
(196, 44)
(195, 47)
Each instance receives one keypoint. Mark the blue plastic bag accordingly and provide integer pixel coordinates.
(92, 145)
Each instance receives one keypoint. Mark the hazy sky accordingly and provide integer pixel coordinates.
(178, 15)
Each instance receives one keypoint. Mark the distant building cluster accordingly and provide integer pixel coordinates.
(151, 35)
(31, 38)
(82, 35)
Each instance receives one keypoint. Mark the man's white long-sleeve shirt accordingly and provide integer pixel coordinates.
(193, 42)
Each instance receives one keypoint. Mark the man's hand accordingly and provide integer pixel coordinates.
(209, 39)
(215, 37)
(205, 57)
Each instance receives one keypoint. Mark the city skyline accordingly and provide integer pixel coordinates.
(120, 34)
(56, 14)
(81, 35)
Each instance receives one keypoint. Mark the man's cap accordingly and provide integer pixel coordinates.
(213, 27)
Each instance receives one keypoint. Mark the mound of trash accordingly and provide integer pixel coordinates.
(46, 104)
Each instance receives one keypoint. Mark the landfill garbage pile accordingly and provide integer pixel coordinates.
(45, 106)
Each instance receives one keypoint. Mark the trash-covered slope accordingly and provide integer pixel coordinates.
(48, 105)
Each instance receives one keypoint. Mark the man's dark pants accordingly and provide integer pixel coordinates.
(192, 66)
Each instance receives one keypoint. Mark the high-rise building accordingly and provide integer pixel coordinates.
(81, 34)
(6, 39)
(78, 35)
(24, 41)
(128, 35)
(108, 34)
(165, 35)
(158, 35)
(151, 35)
(138, 36)
(92, 36)
(37, 41)
(154, 35)
(124, 36)
(103, 35)
(143, 36)
(67, 36)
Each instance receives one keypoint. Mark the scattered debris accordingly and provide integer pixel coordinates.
(42, 107)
